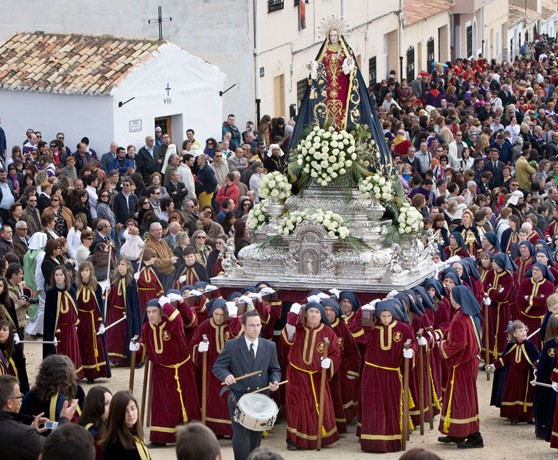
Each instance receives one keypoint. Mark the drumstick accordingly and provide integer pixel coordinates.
(541, 384)
(529, 337)
(267, 387)
(245, 376)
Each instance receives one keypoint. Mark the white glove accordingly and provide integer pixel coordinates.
(174, 297)
(555, 386)
(255, 295)
(453, 259)
(101, 329)
(326, 363)
(526, 297)
(422, 342)
(368, 307)
(491, 368)
(295, 308)
(232, 309)
(194, 293)
(408, 353)
(210, 288)
(136, 276)
(437, 336)
(134, 346)
(203, 347)
(351, 377)
(392, 294)
(336, 293)
(313, 298)
(163, 300)
(55, 340)
(534, 382)
(16, 338)
(313, 69)
(182, 279)
(267, 290)
(486, 301)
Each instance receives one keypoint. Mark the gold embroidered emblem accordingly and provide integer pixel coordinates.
(320, 348)
(166, 336)
(397, 337)
(551, 352)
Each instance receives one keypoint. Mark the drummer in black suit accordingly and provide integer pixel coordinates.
(241, 356)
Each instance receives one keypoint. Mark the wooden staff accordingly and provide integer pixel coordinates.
(108, 288)
(204, 383)
(405, 432)
(421, 384)
(322, 397)
(486, 344)
(144, 391)
(245, 376)
(268, 387)
(132, 367)
(429, 392)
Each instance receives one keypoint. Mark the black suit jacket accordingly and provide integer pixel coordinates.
(497, 173)
(147, 164)
(235, 359)
(124, 210)
(177, 193)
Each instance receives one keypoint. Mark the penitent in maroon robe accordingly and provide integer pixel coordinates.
(501, 292)
(460, 410)
(382, 386)
(61, 319)
(531, 301)
(175, 397)
(91, 345)
(149, 287)
(345, 383)
(217, 412)
(517, 401)
(302, 393)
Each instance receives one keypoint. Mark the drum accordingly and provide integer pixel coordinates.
(256, 412)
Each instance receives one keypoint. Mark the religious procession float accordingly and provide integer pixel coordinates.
(338, 216)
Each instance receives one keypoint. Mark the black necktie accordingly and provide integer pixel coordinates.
(252, 352)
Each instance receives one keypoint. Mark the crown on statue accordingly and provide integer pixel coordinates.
(333, 23)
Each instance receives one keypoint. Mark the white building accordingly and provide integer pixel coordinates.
(106, 88)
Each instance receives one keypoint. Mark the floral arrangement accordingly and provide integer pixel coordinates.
(257, 217)
(275, 186)
(376, 187)
(290, 221)
(333, 223)
(410, 219)
(326, 154)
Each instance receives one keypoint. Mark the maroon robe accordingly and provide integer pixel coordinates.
(554, 431)
(345, 383)
(460, 410)
(65, 329)
(523, 266)
(382, 386)
(517, 400)
(91, 346)
(501, 292)
(302, 394)
(149, 287)
(217, 412)
(175, 397)
(531, 300)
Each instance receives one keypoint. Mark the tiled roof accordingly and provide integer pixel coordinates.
(70, 63)
(419, 10)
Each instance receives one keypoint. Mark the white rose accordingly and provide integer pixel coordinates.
(333, 144)
(314, 174)
(401, 231)
(348, 163)
(353, 156)
(334, 175)
(401, 218)
(274, 193)
(408, 230)
(342, 171)
(331, 159)
(351, 149)
(316, 145)
(317, 139)
(346, 141)
(381, 181)
(299, 161)
(311, 150)
(307, 169)
(325, 149)
(377, 196)
(335, 166)
(386, 196)
(324, 164)
(331, 234)
(327, 135)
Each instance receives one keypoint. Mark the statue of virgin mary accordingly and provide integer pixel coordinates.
(337, 95)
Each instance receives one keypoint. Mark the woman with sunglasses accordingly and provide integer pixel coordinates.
(104, 210)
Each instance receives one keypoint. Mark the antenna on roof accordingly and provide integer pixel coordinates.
(160, 19)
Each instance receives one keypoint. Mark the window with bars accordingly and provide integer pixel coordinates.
(275, 5)
(469, 41)
(372, 71)
(411, 63)
(430, 58)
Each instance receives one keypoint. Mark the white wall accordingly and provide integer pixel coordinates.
(76, 116)
(194, 97)
(216, 30)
